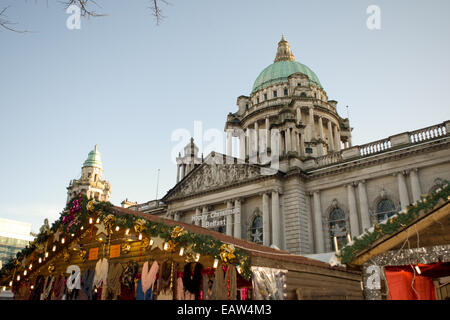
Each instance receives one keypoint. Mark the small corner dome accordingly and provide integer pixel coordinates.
(94, 159)
(283, 66)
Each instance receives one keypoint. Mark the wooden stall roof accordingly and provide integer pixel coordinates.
(431, 229)
(255, 250)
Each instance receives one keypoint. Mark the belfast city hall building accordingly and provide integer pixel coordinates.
(298, 184)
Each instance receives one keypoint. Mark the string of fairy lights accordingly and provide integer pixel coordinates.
(189, 245)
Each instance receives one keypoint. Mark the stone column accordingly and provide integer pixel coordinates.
(197, 213)
(354, 225)
(294, 141)
(229, 142)
(246, 142)
(330, 135)
(176, 216)
(318, 229)
(363, 205)
(302, 144)
(402, 190)
(276, 219)
(242, 146)
(204, 211)
(229, 219)
(237, 219)
(178, 173)
(321, 136)
(267, 133)
(287, 134)
(256, 139)
(415, 184)
(183, 170)
(337, 139)
(311, 123)
(266, 219)
(299, 115)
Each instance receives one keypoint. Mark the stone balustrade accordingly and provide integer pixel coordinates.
(375, 147)
(380, 146)
(428, 133)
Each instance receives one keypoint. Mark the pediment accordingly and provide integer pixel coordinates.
(210, 176)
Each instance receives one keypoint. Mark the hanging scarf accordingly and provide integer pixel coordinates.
(88, 283)
(46, 295)
(129, 274)
(191, 282)
(221, 285)
(233, 283)
(149, 277)
(58, 288)
(101, 273)
(38, 287)
(179, 287)
(114, 273)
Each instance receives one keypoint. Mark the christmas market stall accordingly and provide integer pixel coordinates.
(406, 257)
(97, 251)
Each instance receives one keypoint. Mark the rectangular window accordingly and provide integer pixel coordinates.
(265, 96)
(275, 93)
(285, 92)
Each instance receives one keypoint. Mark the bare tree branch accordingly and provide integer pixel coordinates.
(6, 24)
(83, 5)
(156, 10)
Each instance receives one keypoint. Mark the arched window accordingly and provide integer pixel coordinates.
(385, 209)
(256, 230)
(338, 227)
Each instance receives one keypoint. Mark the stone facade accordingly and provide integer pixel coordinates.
(322, 187)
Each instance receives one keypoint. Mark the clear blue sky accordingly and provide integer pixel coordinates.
(125, 84)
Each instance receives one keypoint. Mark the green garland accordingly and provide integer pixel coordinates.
(79, 210)
(394, 224)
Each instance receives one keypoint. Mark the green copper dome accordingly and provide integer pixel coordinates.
(94, 159)
(279, 72)
(284, 65)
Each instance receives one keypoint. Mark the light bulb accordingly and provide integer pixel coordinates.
(166, 245)
(40, 260)
(18, 278)
(238, 268)
(46, 254)
(72, 234)
(91, 220)
(101, 239)
(98, 220)
(216, 262)
(30, 267)
(54, 248)
(32, 287)
(25, 273)
(117, 228)
(140, 236)
(127, 231)
(197, 257)
(151, 242)
(63, 240)
(10, 283)
(181, 251)
(418, 269)
(82, 227)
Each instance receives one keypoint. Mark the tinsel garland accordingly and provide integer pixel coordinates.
(80, 210)
(395, 223)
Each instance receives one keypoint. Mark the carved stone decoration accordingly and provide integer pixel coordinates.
(210, 176)
(383, 194)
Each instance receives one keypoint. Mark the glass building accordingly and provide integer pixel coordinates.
(14, 236)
